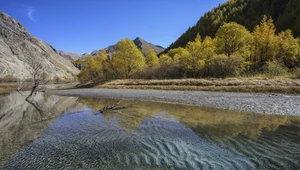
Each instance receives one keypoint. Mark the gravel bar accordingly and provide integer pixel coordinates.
(250, 102)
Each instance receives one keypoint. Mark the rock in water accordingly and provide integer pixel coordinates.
(18, 48)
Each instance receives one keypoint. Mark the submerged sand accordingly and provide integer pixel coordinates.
(250, 102)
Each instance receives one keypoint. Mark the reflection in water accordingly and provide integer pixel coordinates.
(208, 122)
(148, 135)
(100, 143)
(21, 122)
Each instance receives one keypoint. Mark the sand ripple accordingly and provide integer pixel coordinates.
(88, 141)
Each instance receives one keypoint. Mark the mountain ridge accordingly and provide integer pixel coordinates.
(141, 44)
(18, 49)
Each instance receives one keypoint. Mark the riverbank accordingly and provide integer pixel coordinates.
(263, 103)
(251, 85)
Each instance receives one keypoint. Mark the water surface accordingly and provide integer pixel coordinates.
(71, 133)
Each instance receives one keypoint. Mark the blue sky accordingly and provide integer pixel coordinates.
(85, 25)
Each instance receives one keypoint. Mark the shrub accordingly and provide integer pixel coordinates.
(222, 66)
(296, 72)
(274, 68)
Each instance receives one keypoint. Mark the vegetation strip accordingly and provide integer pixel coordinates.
(255, 89)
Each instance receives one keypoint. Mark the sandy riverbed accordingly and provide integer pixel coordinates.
(249, 102)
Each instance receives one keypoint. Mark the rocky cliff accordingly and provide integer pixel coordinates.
(19, 49)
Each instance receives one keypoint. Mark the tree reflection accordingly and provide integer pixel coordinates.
(22, 121)
(207, 122)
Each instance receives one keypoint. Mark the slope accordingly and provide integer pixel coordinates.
(18, 49)
(285, 13)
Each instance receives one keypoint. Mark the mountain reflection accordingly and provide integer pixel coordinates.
(21, 122)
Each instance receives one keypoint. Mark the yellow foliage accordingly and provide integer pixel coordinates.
(92, 70)
(233, 38)
(151, 58)
(288, 48)
(127, 58)
(265, 45)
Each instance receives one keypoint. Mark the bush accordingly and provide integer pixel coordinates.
(222, 66)
(274, 68)
(296, 72)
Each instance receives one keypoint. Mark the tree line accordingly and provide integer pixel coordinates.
(285, 13)
(234, 51)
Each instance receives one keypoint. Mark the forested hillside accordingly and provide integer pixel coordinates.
(249, 13)
(239, 38)
(234, 51)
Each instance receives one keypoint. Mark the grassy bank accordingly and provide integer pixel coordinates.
(276, 85)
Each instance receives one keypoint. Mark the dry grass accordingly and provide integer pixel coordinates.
(209, 82)
(283, 85)
(256, 89)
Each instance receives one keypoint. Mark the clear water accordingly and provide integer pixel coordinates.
(71, 133)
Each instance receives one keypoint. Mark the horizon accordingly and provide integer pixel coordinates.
(78, 27)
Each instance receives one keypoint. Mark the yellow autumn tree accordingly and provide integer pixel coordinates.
(102, 56)
(165, 60)
(127, 58)
(106, 65)
(233, 38)
(208, 48)
(288, 48)
(151, 58)
(183, 59)
(92, 70)
(194, 47)
(265, 42)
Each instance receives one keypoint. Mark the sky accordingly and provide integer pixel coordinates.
(86, 25)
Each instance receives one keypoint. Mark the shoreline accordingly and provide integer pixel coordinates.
(263, 103)
(248, 85)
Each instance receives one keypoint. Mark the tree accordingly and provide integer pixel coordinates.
(151, 58)
(38, 74)
(165, 60)
(288, 48)
(208, 48)
(194, 47)
(92, 70)
(127, 58)
(103, 56)
(265, 42)
(184, 60)
(233, 38)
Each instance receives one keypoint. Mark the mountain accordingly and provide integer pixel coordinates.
(69, 55)
(285, 13)
(142, 45)
(19, 49)
(84, 55)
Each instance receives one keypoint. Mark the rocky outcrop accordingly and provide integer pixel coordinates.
(69, 55)
(84, 55)
(18, 49)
